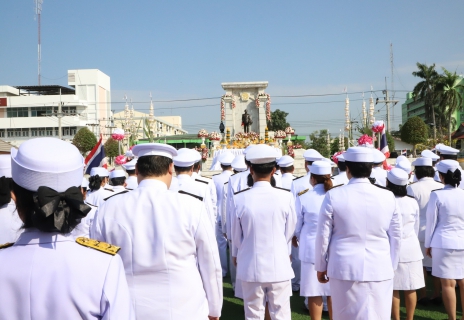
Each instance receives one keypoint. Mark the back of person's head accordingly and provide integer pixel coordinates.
(341, 165)
(359, 169)
(95, 182)
(288, 169)
(119, 181)
(359, 161)
(321, 173)
(153, 166)
(397, 181)
(450, 172)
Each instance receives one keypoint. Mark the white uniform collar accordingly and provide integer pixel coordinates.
(184, 176)
(118, 188)
(359, 180)
(227, 172)
(426, 178)
(262, 184)
(35, 236)
(319, 186)
(153, 183)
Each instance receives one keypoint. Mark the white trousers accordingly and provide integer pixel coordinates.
(357, 300)
(222, 247)
(296, 266)
(236, 284)
(277, 295)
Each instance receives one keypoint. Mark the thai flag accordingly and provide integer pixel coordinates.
(384, 148)
(404, 153)
(95, 157)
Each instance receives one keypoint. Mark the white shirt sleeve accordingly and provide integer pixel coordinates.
(223, 210)
(394, 234)
(236, 228)
(431, 219)
(299, 217)
(324, 234)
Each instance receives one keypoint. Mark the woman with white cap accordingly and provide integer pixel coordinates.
(46, 274)
(10, 224)
(98, 181)
(444, 234)
(409, 275)
(307, 208)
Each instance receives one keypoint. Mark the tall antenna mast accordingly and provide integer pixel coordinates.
(392, 80)
(38, 12)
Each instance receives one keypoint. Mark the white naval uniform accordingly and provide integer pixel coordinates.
(358, 243)
(219, 181)
(83, 229)
(300, 184)
(131, 182)
(10, 223)
(380, 176)
(421, 191)
(212, 189)
(168, 249)
(278, 179)
(287, 180)
(340, 178)
(307, 208)
(50, 276)
(409, 275)
(97, 197)
(444, 232)
(263, 225)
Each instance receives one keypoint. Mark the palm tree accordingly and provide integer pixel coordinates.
(450, 87)
(425, 90)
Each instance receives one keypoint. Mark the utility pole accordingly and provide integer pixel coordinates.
(38, 12)
(60, 115)
(387, 101)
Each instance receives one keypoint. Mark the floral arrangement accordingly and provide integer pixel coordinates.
(240, 136)
(378, 126)
(223, 109)
(120, 160)
(280, 134)
(335, 156)
(202, 133)
(297, 146)
(253, 135)
(118, 134)
(204, 154)
(290, 151)
(215, 136)
(365, 141)
(268, 104)
(289, 130)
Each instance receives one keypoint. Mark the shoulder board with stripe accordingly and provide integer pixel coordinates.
(109, 189)
(275, 173)
(298, 178)
(6, 245)
(303, 192)
(282, 189)
(412, 183)
(381, 187)
(98, 245)
(201, 181)
(191, 194)
(129, 189)
(410, 196)
(242, 191)
(338, 185)
(233, 174)
(436, 190)
(226, 182)
(117, 194)
(90, 205)
(216, 174)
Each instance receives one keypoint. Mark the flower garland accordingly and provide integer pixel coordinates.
(214, 136)
(290, 151)
(378, 126)
(268, 104)
(280, 134)
(120, 160)
(202, 133)
(223, 109)
(118, 134)
(289, 130)
(365, 141)
(335, 156)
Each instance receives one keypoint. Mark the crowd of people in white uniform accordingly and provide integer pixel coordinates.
(155, 240)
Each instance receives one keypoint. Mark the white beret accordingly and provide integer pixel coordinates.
(130, 165)
(359, 154)
(261, 153)
(312, 155)
(60, 169)
(378, 156)
(448, 150)
(285, 161)
(117, 174)
(401, 158)
(5, 165)
(321, 167)
(398, 176)
(226, 158)
(102, 172)
(430, 154)
(239, 163)
(422, 162)
(444, 165)
(154, 149)
(185, 157)
(405, 166)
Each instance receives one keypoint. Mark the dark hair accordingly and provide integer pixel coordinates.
(359, 169)
(119, 181)
(424, 171)
(182, 169)
(248, 163)
(95, 182)
(397, 190)
(263, 169)
(449, 156)
(341, 165)
(250, 181)
(153, 166)
(451, 178)
(277, 166)
(308, 163)
(289, 169)
(224, 167)
(130, 172)
(5, 187)
(197, 165)
(323, 179)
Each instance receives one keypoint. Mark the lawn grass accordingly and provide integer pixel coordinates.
(232, 308)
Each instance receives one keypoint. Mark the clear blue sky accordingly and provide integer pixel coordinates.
(185, 49)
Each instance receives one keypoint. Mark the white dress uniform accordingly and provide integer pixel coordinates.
(211, 187)
(131, 183)
(421, 191)
(10, 223)
(380, 176)
(301, 184)
(308, 206)
(287, 180)
(357, 243)
(83, 229)
(340, 179)
(97, 197)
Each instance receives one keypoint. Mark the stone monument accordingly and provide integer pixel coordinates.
(245, 106)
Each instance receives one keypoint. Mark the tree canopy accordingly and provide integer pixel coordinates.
(84, 140)
(278, 120)
(414, 131)
(319, 142)
(111, 148)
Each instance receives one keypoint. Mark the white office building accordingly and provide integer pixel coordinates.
(34, 111)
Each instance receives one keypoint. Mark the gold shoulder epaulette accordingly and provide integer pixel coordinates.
(98, 245)
(303, 192)
(6, 245)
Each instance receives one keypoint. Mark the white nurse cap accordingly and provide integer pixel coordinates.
(321, 167)
(130, 165)
(312, 155)
(448, 165)
(102, 172)
(285, 161)
(422, 162)
(398, 176)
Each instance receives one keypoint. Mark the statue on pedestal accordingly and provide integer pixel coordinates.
(246, 121)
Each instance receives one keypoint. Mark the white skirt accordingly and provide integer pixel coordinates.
(309, 285)
(427, 261)
(409, 276)
(448, 263)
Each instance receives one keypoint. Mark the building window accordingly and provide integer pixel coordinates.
(17, 113)
(69, 110)
(57, 132)
(41, 132)
(24, 132)
(69, 131)
(42, 111)
(49, 131)
(2, 133)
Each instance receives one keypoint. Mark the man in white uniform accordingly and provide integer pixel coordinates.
(96, 196)
(263, 224)
(435, 158)
(302, 183)
(341, 177)
(131, 181)
(286, 167)
(448, 153)
(167, 243)
(118, 181)
(197, 177)
(378, 173)
(219, 180)
(10, 223)
(357, 243)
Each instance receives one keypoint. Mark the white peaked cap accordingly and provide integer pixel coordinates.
(321, 167)
(129, 153)
(61, 169)
(359, 154)
(333, 164)
(85, 183)
(102, 172)
(405, 166)
(430, 154)
(117, 174)
(422, 162)
(154, 149)
(261, 153)
(238, 164)
(444, 165)
(439, 146)
(226, 158)
(448, 150)
(401, 158)
(130, 165)
(341, 158)
(185, 158)
(312, 155)
(5, 165)
(378, 156)
(398, 176)
(285, 161)
(247, 149)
